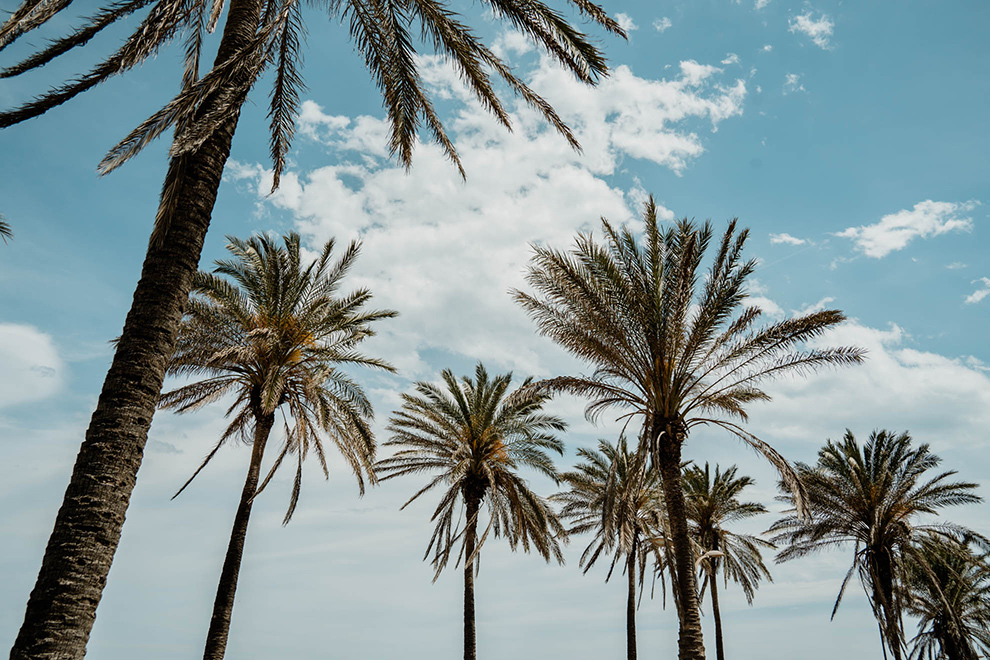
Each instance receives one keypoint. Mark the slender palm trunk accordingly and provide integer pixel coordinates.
(891, 628)
(62, 607)
(690, 642)
(471, 504)
(223, 606)
(631, 606)
(717, 615)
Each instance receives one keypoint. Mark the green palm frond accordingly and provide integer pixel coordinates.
(383, 31)
(472, 436)
(879, 498)
(273, 332)
(666, 348)
(713, 503)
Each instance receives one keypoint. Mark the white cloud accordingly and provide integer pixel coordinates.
(893, 232)
(730, 58)
(662, 24)
(767, 48)
(981, 292)
(792, 83)
(626, 22)
(787, 239)
(445, 252)
(956, 265)
(760, 4)
(819, 31)
(31, 367)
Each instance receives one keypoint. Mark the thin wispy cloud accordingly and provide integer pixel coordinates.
(818, 30)
(760, 4)
(893, 232)
(730, 58)
(662, 24)
(982, 291)
(787, 239)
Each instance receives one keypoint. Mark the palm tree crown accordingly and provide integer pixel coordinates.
(950, 596)
(678, 353)
(471, 437)
(382, 31)
(275, 335)
(875, 496)
(615, 498)
(712, 504)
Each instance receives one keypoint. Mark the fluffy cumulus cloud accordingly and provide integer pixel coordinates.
(444, 252)
(893, 232)
(982, 291)
(30, 364)
(786, 239)
(662, 24)
(818, 30)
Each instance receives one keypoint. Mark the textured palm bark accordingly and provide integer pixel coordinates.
(717, 615)
(223, 606)
(472, 503)
(667, 455)
(62, 607)
(631, 606)
(891, 627)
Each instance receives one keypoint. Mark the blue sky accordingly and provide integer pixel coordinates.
(850, 139)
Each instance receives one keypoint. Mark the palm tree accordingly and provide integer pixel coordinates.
(876, 498)
(712, 503)
(5, 230)
(614, 497)
(472, 436)
(950, 596)
(274, 334)
(256, 35)
(675, 352)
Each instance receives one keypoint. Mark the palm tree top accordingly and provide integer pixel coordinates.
(277, 334)
(383, 32)
(678, 348)
(473, 435)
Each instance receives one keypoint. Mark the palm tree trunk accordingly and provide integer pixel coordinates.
(717, 615)
(631, 607)
(472, 504)
(223, 606)
(690, 642)
(62, 607)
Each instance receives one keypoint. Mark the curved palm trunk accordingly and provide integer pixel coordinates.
(62, 607)
(690, 642)
(887, 612)
(631, 607)
(471, 504)
(223, 606)
(717, 615)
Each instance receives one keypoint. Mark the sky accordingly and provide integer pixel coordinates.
(850, 138)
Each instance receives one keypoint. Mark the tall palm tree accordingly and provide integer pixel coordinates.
(273, 332)
(615, 498)
(471, 437)
(712, 503)
(950, 596)
(678, 353)
(875, 497)
(256, 35)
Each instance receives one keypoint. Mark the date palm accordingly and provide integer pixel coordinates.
(615, 498)
(875, 497)
(257, 35)
(5, 230)
(674, 351)
(471, 437)
(712, 504)
(272, 332)
(950, 596)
